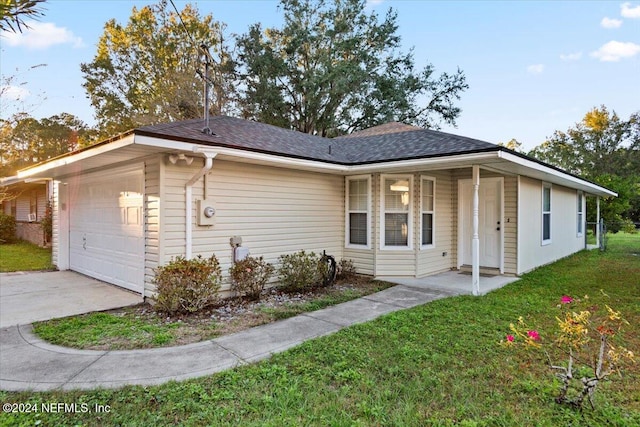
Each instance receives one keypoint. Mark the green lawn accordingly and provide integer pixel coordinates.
(24, 256)
(439, 364)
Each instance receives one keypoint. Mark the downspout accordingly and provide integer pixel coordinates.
(208, 164)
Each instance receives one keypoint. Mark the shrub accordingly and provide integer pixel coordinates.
(299, 271)
(186, 286)
(47, 223)
(249, 276)
(7, 228)
(346, 269)
(628, 226)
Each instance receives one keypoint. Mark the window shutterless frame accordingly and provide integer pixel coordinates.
(358, 212)
(396, 212)
(546, 213)
(427, 212)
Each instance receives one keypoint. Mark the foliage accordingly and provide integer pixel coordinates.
(7, 228)
(346, 269)
(14, 12)
(334, 68)
(24, 256)
(605, 149)
(584, 335)
(47, 222)
(628, 226)
(187, 285)
(249, 276)
(513, 144)
(433, 365)
(26, 141)
(299, 271)
(145, 71)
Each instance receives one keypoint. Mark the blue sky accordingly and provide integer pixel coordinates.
(532, 66)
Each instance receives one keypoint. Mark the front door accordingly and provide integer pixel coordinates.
(490, 221)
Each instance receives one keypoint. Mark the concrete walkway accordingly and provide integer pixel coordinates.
(28, 363)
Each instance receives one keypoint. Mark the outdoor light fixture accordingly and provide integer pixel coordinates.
(400, 185)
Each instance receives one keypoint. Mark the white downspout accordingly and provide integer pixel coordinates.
(475, 242)
(208, 164)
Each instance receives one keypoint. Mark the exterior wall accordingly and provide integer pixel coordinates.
(564, 238)
(439, 257)
(152, 213)
(276, 211)
(510, 225)
(56, 213)
(31, 196)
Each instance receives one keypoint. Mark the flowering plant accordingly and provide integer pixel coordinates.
(584, 335)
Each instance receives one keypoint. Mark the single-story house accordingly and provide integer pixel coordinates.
(27, 202)
(396, 199)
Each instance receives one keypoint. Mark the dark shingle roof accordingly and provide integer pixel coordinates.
(388, 142)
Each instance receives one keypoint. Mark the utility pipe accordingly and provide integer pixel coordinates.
(208, 164)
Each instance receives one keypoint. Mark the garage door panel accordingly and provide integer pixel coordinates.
(106, 228)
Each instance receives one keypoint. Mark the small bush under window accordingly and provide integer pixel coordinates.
(299, 271)
(7, 228)
(249, 276)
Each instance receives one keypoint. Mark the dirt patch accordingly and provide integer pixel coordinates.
(237, 314)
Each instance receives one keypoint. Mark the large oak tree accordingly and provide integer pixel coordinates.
(145, 71)
(334, 68)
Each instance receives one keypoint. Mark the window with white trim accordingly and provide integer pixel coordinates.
(427, 211)
(396, 211)
(546, 214)
(580, 216)
(358, 202)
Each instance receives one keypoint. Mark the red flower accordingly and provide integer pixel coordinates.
(534, 335)
(510, 338)
(566, 299)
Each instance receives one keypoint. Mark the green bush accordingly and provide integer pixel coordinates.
(186, 286)
(628, 226)
(7, 228)
(249, 276)
(47, 223)
(346, 269)
(299, 271)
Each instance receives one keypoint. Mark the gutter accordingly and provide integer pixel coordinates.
(208, 164)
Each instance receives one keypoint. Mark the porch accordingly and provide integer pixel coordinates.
(454, 281)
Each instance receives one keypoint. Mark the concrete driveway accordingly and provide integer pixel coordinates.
(28, 297)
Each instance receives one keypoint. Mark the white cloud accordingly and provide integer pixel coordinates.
(535, 68)
(571, 56)
(610, 23)
(42, 35)
(13, 93)
(614, 51)
(629, 12)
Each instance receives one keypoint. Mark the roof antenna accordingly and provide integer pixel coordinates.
(207, 65)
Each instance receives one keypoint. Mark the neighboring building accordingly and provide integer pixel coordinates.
(28, 205)
(396, 199)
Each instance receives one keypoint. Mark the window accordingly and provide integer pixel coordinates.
(14, 208)
(396, 212)
(428, 207)
(580, 218)
(546, 214)
(358, 202)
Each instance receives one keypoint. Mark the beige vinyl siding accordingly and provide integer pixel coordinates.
(430, 260)
(564, 241)
(23, 206)
(41, 202)
(275, 211)
(152, 209)
(510, 225)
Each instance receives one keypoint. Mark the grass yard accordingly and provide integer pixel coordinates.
(435, 365)
(24, 256)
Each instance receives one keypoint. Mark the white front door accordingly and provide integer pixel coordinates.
(490, 221)
(106, 233)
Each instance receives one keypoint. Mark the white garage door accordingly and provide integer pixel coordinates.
(106, 235)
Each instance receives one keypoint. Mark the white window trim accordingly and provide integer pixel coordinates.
(580, 225)
(410, 236)
(347, 211)
(550, 212)
(424, 178)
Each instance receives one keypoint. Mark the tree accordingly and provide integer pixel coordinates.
(13, 13)
(334, 68)
(145, 72)
(513, 145)
(25, 141)
(605, 149)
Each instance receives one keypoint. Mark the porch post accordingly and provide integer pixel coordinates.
(475, 242)
(598, 221)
